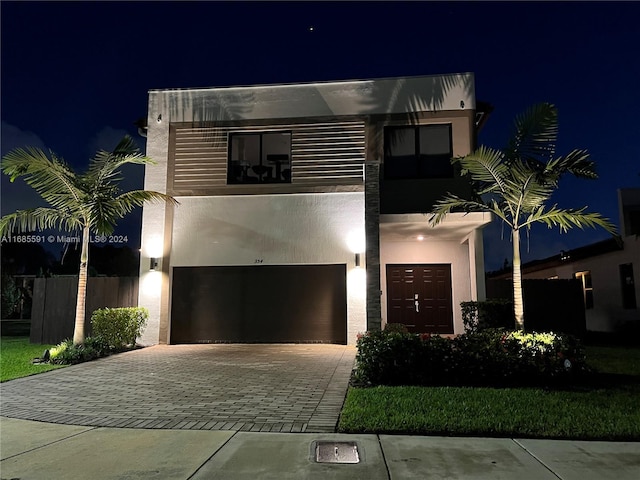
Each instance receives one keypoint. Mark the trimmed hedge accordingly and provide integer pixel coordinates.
(490, 357)
(119, 327)
(491, 313)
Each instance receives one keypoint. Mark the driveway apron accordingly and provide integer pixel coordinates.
(242, 387)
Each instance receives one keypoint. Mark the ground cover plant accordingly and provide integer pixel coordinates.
(114, 330)
(16, 358)
(599, 404)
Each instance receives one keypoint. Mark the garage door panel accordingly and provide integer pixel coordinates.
(269, 304)
(200, 313)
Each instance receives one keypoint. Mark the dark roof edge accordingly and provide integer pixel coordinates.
(608, 245)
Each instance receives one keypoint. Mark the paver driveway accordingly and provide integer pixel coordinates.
(283, 388)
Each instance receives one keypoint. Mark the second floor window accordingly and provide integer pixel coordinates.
(259, 158)
(420, 151)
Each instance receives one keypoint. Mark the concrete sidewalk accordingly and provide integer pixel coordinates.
(43, 451)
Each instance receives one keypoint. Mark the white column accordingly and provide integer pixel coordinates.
(156, 234)
(476, 265)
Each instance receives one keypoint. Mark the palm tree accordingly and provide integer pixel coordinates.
(90, 202)
(516, 184)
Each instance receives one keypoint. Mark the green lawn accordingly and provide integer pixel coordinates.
(16, 354)
(616, 360)
(607, 408)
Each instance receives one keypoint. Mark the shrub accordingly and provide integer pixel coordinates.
(551, 355)
(396, 328)
(440, 362)
(492, 357)
(499, 357)
(387, 358)
(396, 358)
(11, 296)
(482, 357)
(68, 353)
(492, 313)
(119, 327)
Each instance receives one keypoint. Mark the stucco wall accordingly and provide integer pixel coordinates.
(360, 97)
(456, 254)
(273, 230)
(155, 236)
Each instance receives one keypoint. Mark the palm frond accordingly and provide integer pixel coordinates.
(502, 211)
(531, 191)
(450, 203)
(38, 219)
(569, 218)
(50, 176)
(484, 165)
(534, 137)
(576, 162)
(104, 166)
(105, 211)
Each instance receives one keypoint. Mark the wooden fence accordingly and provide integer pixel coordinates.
(549, 305)
(54, 303)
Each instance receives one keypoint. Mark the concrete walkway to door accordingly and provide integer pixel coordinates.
(248, 387)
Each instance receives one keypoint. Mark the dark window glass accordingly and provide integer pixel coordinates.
(632, 222)
(422, 151)
(628, 286)
(259, 158)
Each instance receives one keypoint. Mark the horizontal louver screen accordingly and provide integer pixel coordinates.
(200, 158)
(330, 153)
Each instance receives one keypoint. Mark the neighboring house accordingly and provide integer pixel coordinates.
(608, 270)
(302, 210)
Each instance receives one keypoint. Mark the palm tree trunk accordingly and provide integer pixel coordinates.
(78, 330)
(518, 308)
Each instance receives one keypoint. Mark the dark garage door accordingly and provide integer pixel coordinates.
(259, 304)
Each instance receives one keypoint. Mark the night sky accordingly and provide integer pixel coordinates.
(75, 75)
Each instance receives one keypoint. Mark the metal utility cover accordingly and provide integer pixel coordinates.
(336, 452)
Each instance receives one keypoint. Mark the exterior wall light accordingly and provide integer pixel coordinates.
(357, 259)
(153, 264)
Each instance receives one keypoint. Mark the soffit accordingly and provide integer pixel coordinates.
(408, 227)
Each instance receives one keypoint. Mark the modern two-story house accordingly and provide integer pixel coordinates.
(304, 211)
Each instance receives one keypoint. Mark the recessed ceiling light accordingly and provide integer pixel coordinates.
(420, 238)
